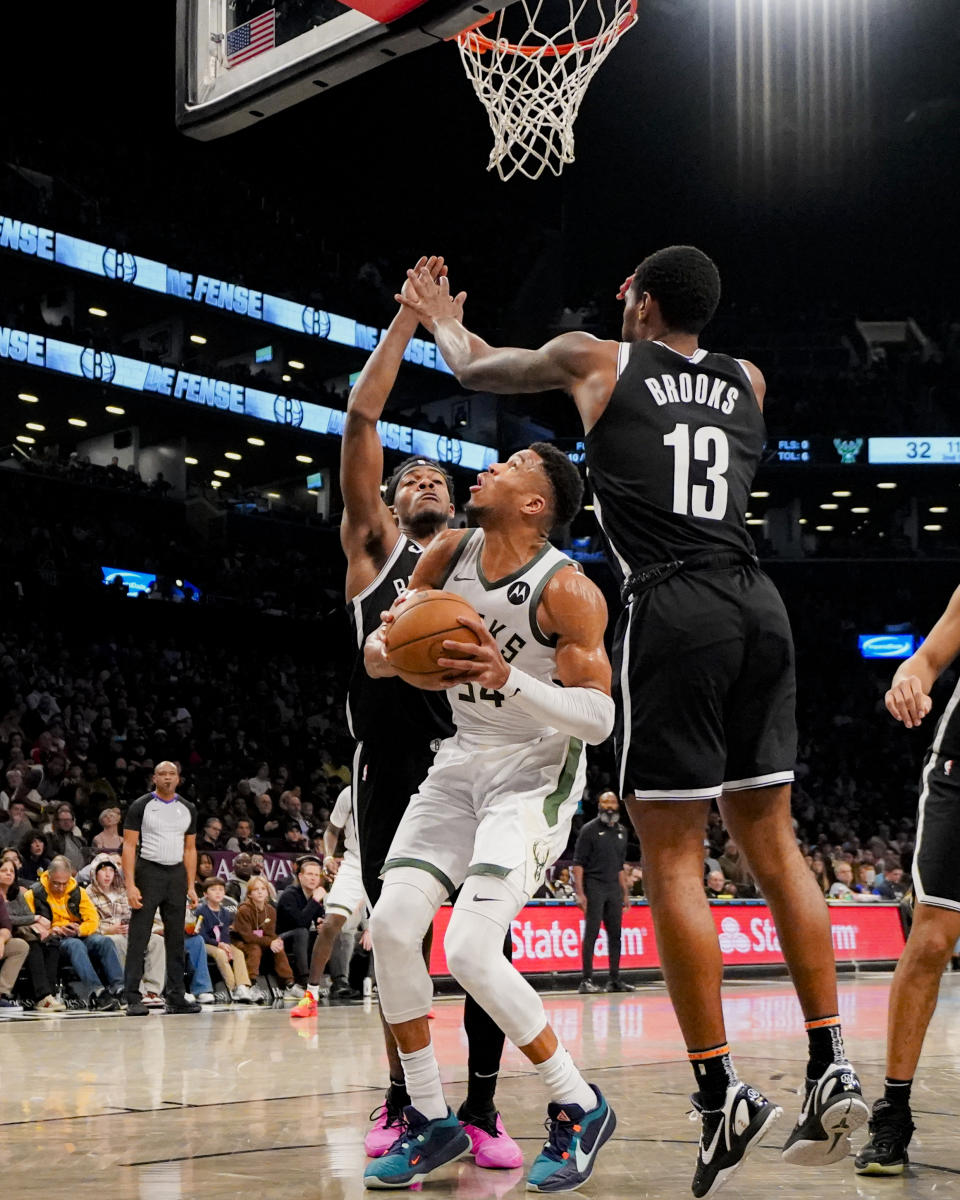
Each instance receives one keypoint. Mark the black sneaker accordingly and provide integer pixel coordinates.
(137, 1008)
(833, 1108)
(103, 1001)
(182, 1006)
(617, 985)
(588, 987)
(891, 1129)
(728, 1134)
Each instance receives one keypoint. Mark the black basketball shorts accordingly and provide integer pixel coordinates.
(705, 687)
(936, 879)
(385, 776)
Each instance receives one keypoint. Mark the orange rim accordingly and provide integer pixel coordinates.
(475, 41)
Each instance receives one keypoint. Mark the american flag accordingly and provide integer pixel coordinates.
(251, 39)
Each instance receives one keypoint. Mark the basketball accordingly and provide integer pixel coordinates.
(415, 640)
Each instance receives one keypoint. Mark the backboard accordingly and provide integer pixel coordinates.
(239, 61)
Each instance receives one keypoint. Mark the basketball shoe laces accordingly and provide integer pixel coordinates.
(559, 1136)
(890, 1130)
(394, 1120)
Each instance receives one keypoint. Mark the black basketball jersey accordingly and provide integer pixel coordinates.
(389, 709)
(672, 458)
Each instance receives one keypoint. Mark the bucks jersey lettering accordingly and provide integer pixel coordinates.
(389, 709)
(508, 608)
(673, 457)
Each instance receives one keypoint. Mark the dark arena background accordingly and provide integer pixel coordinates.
(181, 320)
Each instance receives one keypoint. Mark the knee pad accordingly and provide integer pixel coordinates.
(474, 950)
(401, 917)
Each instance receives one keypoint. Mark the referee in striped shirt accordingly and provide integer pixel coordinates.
(160, 868)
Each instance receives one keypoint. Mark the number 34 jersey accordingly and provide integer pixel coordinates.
(508, 608)
(672, 458)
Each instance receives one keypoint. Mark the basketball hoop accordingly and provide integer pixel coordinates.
(532, 83)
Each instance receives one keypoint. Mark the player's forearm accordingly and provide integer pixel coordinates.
(331, 835)
(379, 374)
(582, 712)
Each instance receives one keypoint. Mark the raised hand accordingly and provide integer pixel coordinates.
(430, 298)
(433, 266)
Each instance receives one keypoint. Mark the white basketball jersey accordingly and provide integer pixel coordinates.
(342, 817)
(508, 608)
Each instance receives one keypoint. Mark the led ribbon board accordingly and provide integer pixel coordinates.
(121, 266)
(115, 370)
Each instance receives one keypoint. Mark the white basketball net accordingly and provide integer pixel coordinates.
(532, 86)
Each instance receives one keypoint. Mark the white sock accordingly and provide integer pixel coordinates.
(422, 1074)
(564, 1082)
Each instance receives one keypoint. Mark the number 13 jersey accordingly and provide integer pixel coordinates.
(508, 608)
(672, 458)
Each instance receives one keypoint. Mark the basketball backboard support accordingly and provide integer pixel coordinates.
(239, 61)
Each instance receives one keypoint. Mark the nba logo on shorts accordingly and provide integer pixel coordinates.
(519, 593)
(948, 766)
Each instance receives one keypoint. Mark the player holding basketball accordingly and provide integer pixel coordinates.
(936, 920)
(494, 811)
(398, 728)
(703, 666)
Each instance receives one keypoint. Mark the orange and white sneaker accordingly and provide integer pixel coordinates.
(307, 1007)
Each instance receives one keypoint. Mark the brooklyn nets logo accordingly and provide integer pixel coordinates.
(119, 265)
(98, 365)
(287, 411)
(315, 322)
(449, 450)
(518, 593)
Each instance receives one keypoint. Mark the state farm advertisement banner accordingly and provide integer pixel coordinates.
(547, 937)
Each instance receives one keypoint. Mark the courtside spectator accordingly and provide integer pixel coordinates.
(241, 871)
(213, 925)
(74, 927)
(299, 908)
(13, 954)
(254, 930)
(109, 897)
(42, 953)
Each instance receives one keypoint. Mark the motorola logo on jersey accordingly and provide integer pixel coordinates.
(449, 450)
(315, 322)
(287, 411)
(518, 593)
(98, 365)
(117, 264)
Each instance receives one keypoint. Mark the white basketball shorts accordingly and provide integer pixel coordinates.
(485, 809)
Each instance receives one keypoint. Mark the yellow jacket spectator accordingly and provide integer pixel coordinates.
(74, 924)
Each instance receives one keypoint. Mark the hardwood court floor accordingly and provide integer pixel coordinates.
(248, 1103)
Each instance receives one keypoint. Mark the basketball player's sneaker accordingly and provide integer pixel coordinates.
(728, 1134)
(422, 1147)
(490, 1144)
(387, 1126)
(891, 1129)
(574, 1138)
(307, 1007)
(833, 1108)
